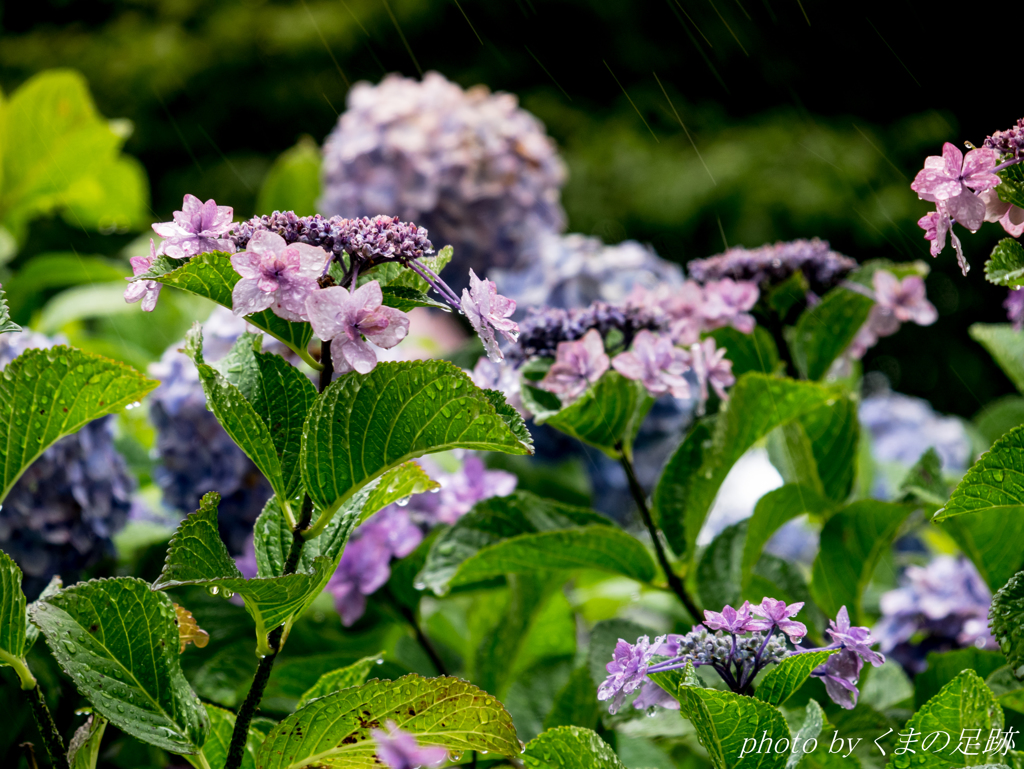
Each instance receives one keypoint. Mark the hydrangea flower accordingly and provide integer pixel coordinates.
(946, 602)
(896, 302)
(712, 368)
(344, 318)
(772, 613)
(544, 329)
(276, 275)
(1009, 142)
(60, 515)
(148, 291)
(472, 167)
(730, 619)
(857, 639)
(196, 229)
(771, 264)
(726, 303)
(488, 311)
(577, 366)
(1014, 305)
(956, 180)
(657, 363)
(400, 750)
(1009, 216)
(840, 674)
(627, 671)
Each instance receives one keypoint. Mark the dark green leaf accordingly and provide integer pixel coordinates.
(196, 552)
(493, 521)
(607, 416)
(118, 641)
(1005, 265)
(404, 298)
(334, 731)
(792, 291)
(362, 426)
(46, 394)
(992, 542)
(825, 330)
(756, 406)
(576, 703)
(341, 678)
(1006, 688)
(672, 680)
(727, 722)
(215, 749)
(943, 667)
(12, 621)
(1007, 618)
(851, 543)
(790, 451)
(782, 681)
(1005, 345)
(995, 484)
(924, 481)
(748, 352)
(720, 571)
(1011, 189)
(84, 748)
(570, 747)
(834, 431)
(771, 512)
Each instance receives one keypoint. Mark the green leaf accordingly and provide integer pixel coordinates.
(825, 330)
(1008, 690)
(943, 667)
(924, 480)
(362, 426)
(218, 740)
(394, 274)
(576, 703)
(726, 723)
(672, 680)
(720, 571)
(118, 641)
(834, 432)
(814, 722)
(84, 748)
(887, 687)
(404, 298)
(491, 522)
(851, 543)
(748, 352)
(397, 484)
(212, 276)
(6, 324)
(342, 678)
(1005, 345)
(1007, 622)
(965, 703)
(782, 681)
(790, 451)
(992, 542)
(771, 512)
(293, 182)
(570, 747)
(334, 731)
(994, 484)
(1011, 189)
(46, 394)
(197, 556)
(59, 270)
(999, 417)
(607, 416)
(756, 406)
(1005, 265)
(12, 621)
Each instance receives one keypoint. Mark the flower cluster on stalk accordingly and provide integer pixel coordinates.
(738, 644)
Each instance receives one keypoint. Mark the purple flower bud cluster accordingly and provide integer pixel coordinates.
(1008, 142)
(942, 605)
(544, 329)
(772, 264)
(473, 167)
(61, 514)
(744, 642)
(398, 529)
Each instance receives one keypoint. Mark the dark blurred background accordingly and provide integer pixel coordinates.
(802, 118)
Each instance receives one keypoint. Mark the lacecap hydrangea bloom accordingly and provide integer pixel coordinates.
(472, 167)
(896, 302)
(59, 517)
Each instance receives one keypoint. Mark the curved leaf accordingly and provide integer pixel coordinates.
(1005, 265)
(46, 394)
(995, 483)
(570, 747)
(725, 722)
(7, 325)
(222, 725)
(13, 621)
(84, 748)
(1007, 620)
(334, 731)
(118, 641)
(342, 678)
(825, 330)
(1006, 346)
(782, 681)
(771, 512)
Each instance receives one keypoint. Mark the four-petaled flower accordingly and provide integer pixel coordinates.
(656, 362)
(840, 674)
(627, 671)
(774, 613)
(197, 228)
(398, 749)
(955, 180)
(856, 639)
(146, 290)
(733, 620)
(276, 274)
(904, 299)
(344, 318)
(577, 365)
(488, 311)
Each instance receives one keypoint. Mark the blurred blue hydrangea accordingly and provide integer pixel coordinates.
(475, 169)
(60, 515)
(195, 455)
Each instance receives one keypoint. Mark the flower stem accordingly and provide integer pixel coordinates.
(47, 728)
(674, 582)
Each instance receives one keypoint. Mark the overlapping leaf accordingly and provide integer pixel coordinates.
(719, 572)
(1005, 345)
(995, 484)
(334, 731)
(84, 748)
(362, 426)
(218, 740)
(782, 681)
(49, 393)
(1005, 265)
(12, 620)
(341, 678)
(570, 747)
(771, 512)
(748, 352)
(118, 641)
(723, 722)
(1007, 615)
(825, 330)
(6, 324)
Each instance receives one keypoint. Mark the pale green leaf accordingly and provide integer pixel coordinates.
(672, 680)
(1007, 688)
(1005, 345)
(825, 330)
(46, 394)
(361, 426)
(782, 681)
(851, 543)
(1005, 265)
(118, 641)
(218, 740)
(887, 686)
(570, 747)
(84, 748)
(756, 406)
(7, 325)
(12, 621)
(59, 270)
(725, 724)
(834, 432)
(398, 484)
(814, 722)
(1007, 616)
(334, 731)
(96, 300)
(771, 512)
(493, 521)
(342, 678)
(293, 181)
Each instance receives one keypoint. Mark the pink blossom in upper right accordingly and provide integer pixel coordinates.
(488, 311)
(905, 299)
(276, 275)
(399, 749)
(955, 180)
(577, 365)
(656, 362)
(1009, 216)
(197, 228)
(146, 290)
